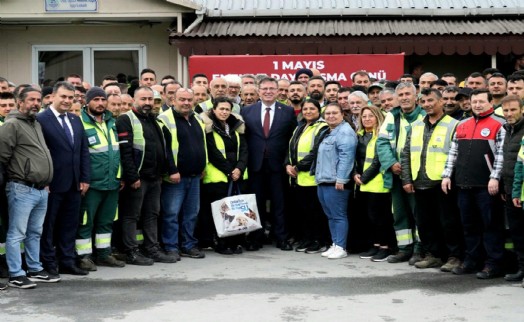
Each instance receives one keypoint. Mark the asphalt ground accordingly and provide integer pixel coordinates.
(268, 285)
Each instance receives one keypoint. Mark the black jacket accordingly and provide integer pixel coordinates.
(512, 142)
(236, 154)
(156, 162)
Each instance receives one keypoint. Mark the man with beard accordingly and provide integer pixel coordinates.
(361, 78)
(391, 141)
(296, 95)
(47, 97)
(451, 106)
(98, 207)
(315, 89)
(142, 151)
(21, 143)
(388, 100)
(331, 91)
(233, 87)
(497, 86)
(464, 101)
(248, 94)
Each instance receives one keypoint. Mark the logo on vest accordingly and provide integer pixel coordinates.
(485, 132)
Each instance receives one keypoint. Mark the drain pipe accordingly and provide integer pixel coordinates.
(198, 20)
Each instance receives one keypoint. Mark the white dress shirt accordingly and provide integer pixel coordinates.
(68, 122)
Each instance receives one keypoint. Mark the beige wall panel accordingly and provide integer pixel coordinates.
(16, 61)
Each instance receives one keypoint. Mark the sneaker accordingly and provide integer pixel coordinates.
(159, 256)
(43, 276)
(417, 257)
(382, 255)
(338, 253)
(87, 264)
(329, 251)
(303, 246)
(134, 257)
(450, 264)
(21, 282)
(399, 258)
(316, 247)
(174, 253)
(370, 253)
(110, 261)
(429, 261)
(193, 253)
(3, 286)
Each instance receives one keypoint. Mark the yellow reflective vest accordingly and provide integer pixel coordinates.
(375, 185)
(213, 175)
(437, 147)
(167, 119)
(304, 147)
(139, 142)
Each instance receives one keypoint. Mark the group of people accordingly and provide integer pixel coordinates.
(413, 170)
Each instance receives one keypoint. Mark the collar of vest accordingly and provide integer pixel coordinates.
(485, 114)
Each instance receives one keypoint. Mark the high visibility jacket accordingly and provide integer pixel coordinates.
(437, 147)
(139, 142)
(104, 151)
(213, 175)
(167, 119)
(518, 181)
(375, 185)
(304, 147)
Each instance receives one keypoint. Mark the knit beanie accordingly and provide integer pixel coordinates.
(95, 92)
(303, 71)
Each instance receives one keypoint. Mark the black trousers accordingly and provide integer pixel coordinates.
(378, 209)
(57, 244)
(142, 204)
(311, 221)
(269, 185)
(439, 224)
(515, 218)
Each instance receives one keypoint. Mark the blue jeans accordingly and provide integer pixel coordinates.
(180, 206)
(27, 209)
(335, 205)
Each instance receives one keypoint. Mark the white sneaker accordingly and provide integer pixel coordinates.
(329, 251)
(337, 253)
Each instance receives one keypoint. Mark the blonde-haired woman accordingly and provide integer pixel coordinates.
(370, 186)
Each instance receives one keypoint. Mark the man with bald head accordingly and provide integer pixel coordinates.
(181, 190)
(200, 94)
(219, 88)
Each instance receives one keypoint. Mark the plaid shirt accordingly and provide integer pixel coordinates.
(498, 154)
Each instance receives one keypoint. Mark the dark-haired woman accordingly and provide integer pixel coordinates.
(227, 154)
(312, 223)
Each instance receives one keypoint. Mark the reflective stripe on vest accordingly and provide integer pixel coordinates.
(437, 148)
(139, 142)
(83, 246)
(103, 240)
(376, 184)
(520, 158)
(213, 175)
(304, 147)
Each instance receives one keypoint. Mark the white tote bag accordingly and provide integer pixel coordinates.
(235, 215)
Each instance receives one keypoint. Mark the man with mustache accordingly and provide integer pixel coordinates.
(296, 95)
(315, 89)
(143, 157)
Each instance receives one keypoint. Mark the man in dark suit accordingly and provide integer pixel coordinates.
(65, 137)
(269, 126)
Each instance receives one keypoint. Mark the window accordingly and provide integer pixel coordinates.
(92, 62)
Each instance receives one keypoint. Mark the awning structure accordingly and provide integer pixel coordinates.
(466, 35)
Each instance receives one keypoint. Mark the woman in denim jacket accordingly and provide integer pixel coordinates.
(335, 159)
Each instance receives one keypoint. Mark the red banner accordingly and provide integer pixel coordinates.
(331, 67)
